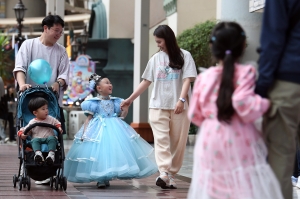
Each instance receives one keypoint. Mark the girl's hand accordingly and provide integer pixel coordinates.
(179, 107)
(124, 103)
(60, 130)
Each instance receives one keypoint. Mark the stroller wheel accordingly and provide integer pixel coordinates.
(64, 183)
(56, 183)
(15, 180)
(20, 183)
(28, 183)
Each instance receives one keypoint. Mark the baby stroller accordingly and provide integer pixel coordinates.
(28, 169)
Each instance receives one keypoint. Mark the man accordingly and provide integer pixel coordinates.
(279, 80)
(45, 47)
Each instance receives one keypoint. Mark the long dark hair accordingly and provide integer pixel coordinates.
(174, 52)
(10, 97)
(227, 44)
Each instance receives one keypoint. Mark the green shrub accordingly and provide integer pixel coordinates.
(196, 41)
(6, 65)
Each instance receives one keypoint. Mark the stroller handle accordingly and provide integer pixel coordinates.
(43, 125)
(19, 93)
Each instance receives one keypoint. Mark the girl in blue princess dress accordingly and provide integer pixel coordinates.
(106, 147)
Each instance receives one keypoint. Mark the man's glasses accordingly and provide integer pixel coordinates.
(58, 32)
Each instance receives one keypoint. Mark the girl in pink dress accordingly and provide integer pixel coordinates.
(230, 157)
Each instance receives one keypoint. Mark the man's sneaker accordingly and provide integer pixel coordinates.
(172, 183)
(44, 182)
(38, 158)
(101, 184)
(298, 182)
(50, 158)
(163, 180)
(294, 181)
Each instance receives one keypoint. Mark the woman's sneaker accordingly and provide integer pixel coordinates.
(172, 183)
(50, 158)
(38, 158)
(162, 180)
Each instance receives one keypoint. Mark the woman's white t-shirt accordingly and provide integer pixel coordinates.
(167, 81)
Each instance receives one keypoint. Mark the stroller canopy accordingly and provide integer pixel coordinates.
(23, 112)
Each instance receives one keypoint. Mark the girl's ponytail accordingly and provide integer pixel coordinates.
(224, 103)
(227, 44)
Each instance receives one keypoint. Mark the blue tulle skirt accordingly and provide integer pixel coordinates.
(109, 149)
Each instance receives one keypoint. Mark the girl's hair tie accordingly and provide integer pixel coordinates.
(227, 52)
(92, 84)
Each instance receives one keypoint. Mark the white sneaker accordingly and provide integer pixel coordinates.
(294, 181)
(172, 183)
(50, 158)
(47, 181)
(298, 182)
(162, 180)
(38, 158)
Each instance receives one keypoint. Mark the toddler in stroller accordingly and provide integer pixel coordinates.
(41, 135)
(41, 150)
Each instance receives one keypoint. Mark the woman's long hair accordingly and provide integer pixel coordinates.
(10, 96)
(174, 52)
(227, 44)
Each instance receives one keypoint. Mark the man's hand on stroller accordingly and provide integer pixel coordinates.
(55, 87)
(24, 87)
(60, 130)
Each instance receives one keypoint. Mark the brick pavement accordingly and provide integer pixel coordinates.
(130, 189)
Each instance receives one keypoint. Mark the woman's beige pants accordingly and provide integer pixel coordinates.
(170, 132)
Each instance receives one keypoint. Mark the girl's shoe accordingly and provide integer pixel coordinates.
(163, 180)
(172, 183)
(101, 184)
(106, 182)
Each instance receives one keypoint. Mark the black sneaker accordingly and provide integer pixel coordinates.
(50, 159)
(38, 158)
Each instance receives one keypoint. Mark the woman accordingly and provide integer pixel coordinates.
(171, 70)
(10, 98)
(3, 109)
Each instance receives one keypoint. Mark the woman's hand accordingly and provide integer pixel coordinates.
(60, 130)
(125, 103)
(179, 107)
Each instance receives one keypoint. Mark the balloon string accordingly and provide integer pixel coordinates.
(46, 85)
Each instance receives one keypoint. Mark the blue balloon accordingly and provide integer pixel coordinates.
(40, 71)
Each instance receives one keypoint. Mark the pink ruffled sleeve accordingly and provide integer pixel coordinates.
(194, 112)
(246, 103)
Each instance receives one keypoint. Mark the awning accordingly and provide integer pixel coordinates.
(38, 20)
